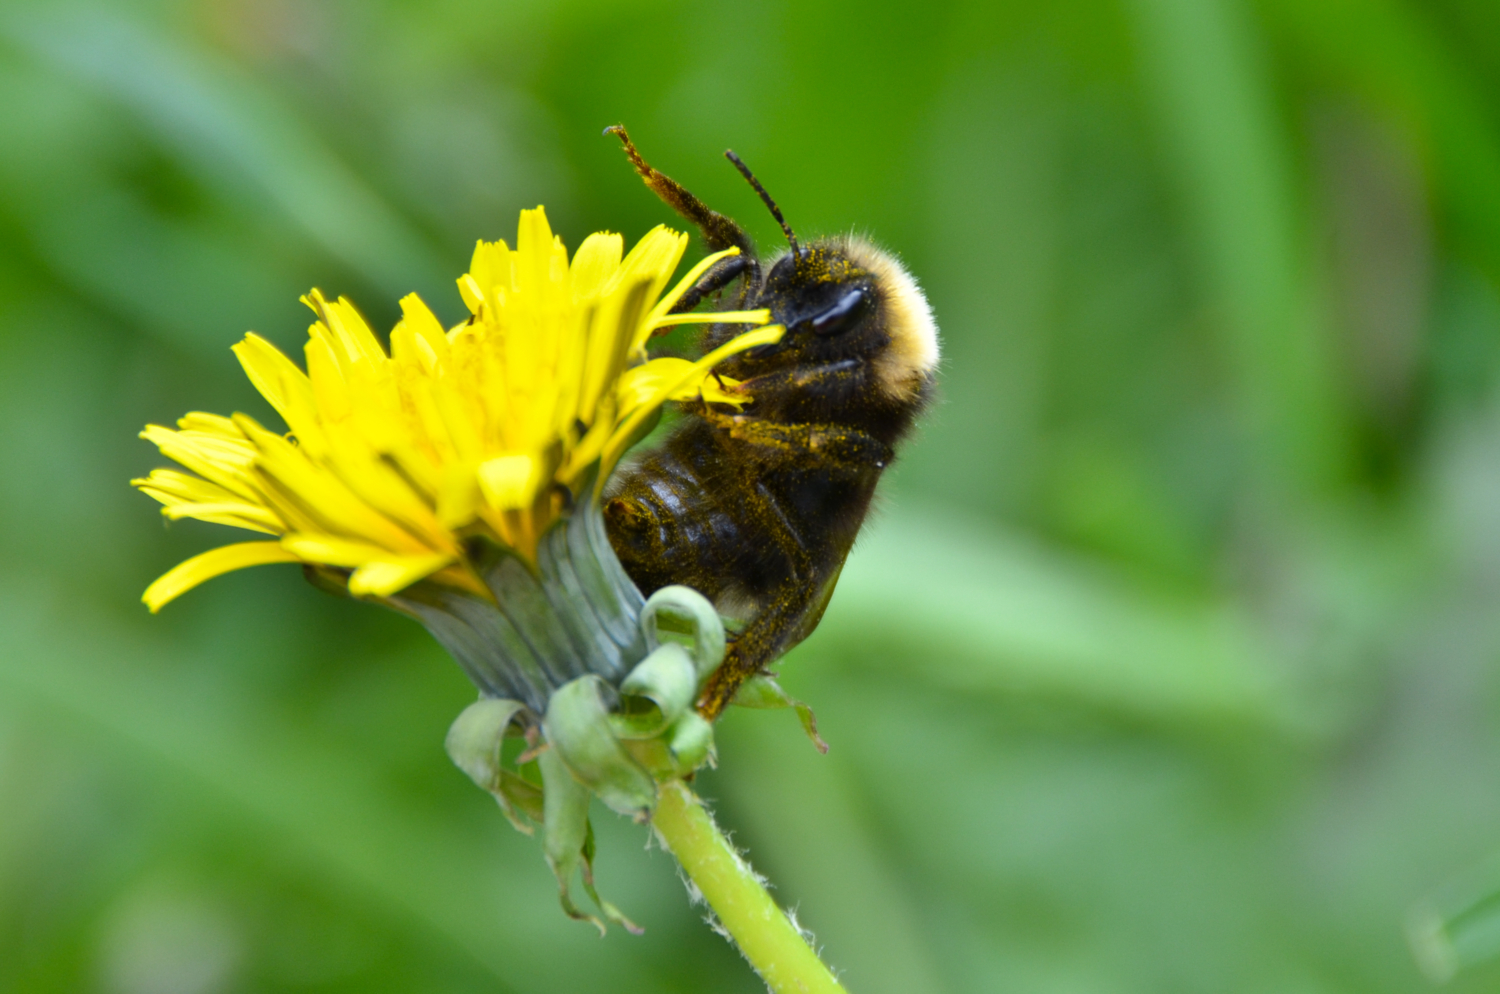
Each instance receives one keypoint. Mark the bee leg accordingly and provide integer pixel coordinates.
(719, 232)
(776, 626)
(723, 273)
(759, 644)
(771, 631)
(837, 446)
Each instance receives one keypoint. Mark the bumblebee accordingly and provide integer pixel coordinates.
(758, 508)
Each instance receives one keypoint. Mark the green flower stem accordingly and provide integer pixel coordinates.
(765, 935)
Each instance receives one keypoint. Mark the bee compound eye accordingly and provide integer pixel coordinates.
(841, 316)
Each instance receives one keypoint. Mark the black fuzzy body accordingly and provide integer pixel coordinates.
(758, 508)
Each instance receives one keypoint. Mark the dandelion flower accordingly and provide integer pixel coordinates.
(491, 427)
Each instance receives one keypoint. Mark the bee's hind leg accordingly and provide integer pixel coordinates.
(760, 643)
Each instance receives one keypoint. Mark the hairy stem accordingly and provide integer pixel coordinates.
(765, 935)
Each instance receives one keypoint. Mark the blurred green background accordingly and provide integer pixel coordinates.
(1170, 664)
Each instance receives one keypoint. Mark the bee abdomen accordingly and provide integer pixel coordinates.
(667, 527)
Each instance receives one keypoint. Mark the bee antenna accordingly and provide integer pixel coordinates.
(766, 198)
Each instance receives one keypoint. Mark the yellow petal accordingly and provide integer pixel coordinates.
(595, 263)
(656, 255)
(636, 386)
(609, 340)
(223, 462)
(712, 317)
(172, 487)
(509, 482)
(237, 514)
(654, 258)
(330, 389)
(383, 578)
(534, 248)
(323, 494)
(468, 289)
(685, 380)
(185, 576)
(376, 482)
(672, 296)
(331, 551)
(377, 572)
(490, 267)
(355, 339)
(279, 381)
(714, 390)
(459, 499)
(425, 329)
(210, 424)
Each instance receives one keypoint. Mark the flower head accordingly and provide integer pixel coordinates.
(492, 428)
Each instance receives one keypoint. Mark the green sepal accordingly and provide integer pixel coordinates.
(691, 742)
(579, 731)
(679, 750)
(568, 841)
(656, 693)
(681, 615)
(474, 743)
(762, 692)
(523, 796)
(611, 912)
(565, 829)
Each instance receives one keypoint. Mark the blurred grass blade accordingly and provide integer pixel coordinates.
(1459, 927)
(1391, 54)
(983, 611)
(232, 132)
(1210, 85)
(166, 275)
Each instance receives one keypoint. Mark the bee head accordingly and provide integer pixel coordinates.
(846, 305)
(851, 310)
(843, 301)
